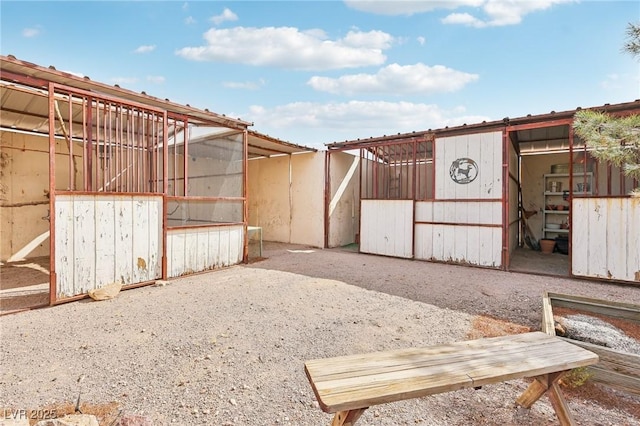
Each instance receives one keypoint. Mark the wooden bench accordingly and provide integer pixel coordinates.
(348, 385)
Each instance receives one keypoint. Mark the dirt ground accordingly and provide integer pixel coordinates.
(228, 347)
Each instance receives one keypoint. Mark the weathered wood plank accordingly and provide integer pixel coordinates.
(358, 381)
(627, 311)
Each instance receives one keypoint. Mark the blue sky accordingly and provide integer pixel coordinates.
(315, 72)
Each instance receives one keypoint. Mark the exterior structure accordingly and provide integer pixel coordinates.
(473, 194)
(116, 186)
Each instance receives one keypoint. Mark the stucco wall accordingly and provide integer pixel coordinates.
(24, 178)
(345, 204)
(286, 198)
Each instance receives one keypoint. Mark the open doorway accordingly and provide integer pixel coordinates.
(558, 177)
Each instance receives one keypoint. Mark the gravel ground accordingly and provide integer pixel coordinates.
(228, 347)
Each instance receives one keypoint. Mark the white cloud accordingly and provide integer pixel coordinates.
(245, 85)
(355, 119)
(502, 12)
(290, 48)
(145, 49)
(410, 7)
(498, 12)
(422, 40)
(156, 79)
(226, 15)
(185, 6)
(124, 80)
(189, 20)
(31, 32)
(397, 79)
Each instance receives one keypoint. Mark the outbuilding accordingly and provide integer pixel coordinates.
(479, 194)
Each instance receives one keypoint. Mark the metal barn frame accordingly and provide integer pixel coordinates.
(472, 213)
(135, 189)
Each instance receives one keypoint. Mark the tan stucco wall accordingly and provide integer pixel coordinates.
(344, 220)
(307, 188)
(24, 178)
(269, 204)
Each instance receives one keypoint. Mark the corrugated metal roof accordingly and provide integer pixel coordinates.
(39, 76)
(26, 108)
(554, 137)
(261, 145)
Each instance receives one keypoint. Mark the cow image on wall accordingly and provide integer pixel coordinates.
(463, 170)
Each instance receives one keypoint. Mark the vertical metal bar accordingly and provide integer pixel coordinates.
(89, 128)
(571, 209)
(52, 197)
(505, 200)
(85, 155)
(186, 155)
(165, 190)
(129, 152)
(327, 197)
(433, 169)
(72, 169)
(415, 170)
(245, 193)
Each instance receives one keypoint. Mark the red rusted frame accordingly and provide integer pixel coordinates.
(245, 194)
(505, 200)
(165, 189)
(482, 225)
(53, 285)
(540, 125)
(571, 210)
(327, 197)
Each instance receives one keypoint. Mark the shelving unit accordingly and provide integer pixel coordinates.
(557, 195)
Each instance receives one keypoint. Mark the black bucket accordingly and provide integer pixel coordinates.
(562, 245)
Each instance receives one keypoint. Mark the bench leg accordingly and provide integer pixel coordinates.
(347, 418)
(548, 383)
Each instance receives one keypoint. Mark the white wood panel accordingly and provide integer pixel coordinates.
(191, 255)
(202, 252)
(105, 247)
(387, 227)
(176, 266)
(616, 238)
(471, 212)
(84, 242)
(485, 149)
(606, 238)
(214, 248)
(64, 238)
(141, 235)
(201, 249)
(424, 211)
(474, 245)
(224, 247)
(154, 263)
(580, 239)
(236, 247)
(123, 226)
(633, 244)
(424, 241)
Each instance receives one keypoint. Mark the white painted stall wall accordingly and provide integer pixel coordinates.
(101, 239)
(387, 227)
(605, 238)
(453, 234)
(483, 148)
(202, 249)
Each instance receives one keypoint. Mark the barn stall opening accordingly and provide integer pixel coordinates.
(482, 195)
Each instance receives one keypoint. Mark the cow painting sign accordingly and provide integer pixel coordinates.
(463, 170)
